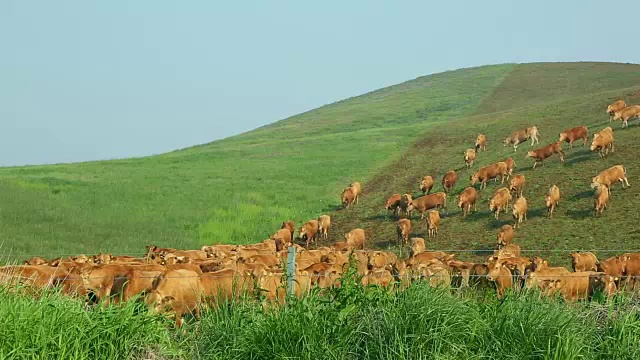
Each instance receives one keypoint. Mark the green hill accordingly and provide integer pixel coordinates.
(240, 189)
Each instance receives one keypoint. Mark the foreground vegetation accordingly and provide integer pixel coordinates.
(347, 323)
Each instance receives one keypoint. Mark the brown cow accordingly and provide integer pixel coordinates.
(324, 224)
(511, 165)
(466, 199)
(585, 261)
(283, 236)
(36, 261)
(355, 238)
(357, 190)
(610, 176)
(449, 180)
(348, 197)
(601, 198)
(405, 204)
(583, 284)
(426, 202)
(403, 228)
(505, 236)
(516, 184)
(520, 136)
(627, 114)
(519, 210)
(289, 225)
(426, 184)
(500, 275)
(417, 246)
(615, 107)
(309, 232)
(433, 220)
(573, 134)
(481, 142)
(551, 199)
(393, 204)
(542, 153)
(489, 172)
(511, 250)
(603, 142)
(614, 266)
(500, 201)
(469, 157)
(176, 291)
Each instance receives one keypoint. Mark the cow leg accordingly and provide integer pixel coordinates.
(571, 144)
(534, 164)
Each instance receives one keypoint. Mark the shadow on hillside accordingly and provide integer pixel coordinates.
(497, 224)
(388, 216)
(537, 212)
(579, 214)
(332, 208)
(584, 194)
(579, 159)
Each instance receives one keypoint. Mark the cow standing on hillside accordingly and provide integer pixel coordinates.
(520, 136)
(481, 142)
(576, 133)
(614, 108)
(540, 154)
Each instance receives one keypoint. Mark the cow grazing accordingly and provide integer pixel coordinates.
(289, 225)
(177, 291)
(500, 201)
(466, 199)
(489, 172)
(449, 180)
(357, 190)
(426, 184)
(427, 202)
(309, 232)
(505, 236)
(610, 176)
(614, 108)
(519, 210)
(603, 142)
(393, 204)
(405, 204)
(481, 142)
(324, 224)
(516, 184)
(417, 246)
(542, 153)
(520, 136)
(585, 261)
(469, 157)
(576, 133)
(601, 198)
(348, 197)
(355, 238)
(433, 220)
(627, 114)
(403, 228)
(551, 199)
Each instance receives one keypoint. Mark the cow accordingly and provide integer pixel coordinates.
(355, 238)
(573, 134)
(614, 108)
(426, 202)
(627, 114)
(519, 210)
(466, 199)
(289, 225)
(357, 189)
(393, 203)
(176, 291)
(36, 260)
(489, 172)
(603, 142)
(324, 224)
(601, 198)
(520, 136)
(505, 236)
(585, 261)
(481, 142)
(511, 165)
(542, 153)
(516, 184)
(551, 199)
(511, 250)
(348, 197)
(426, 184)
(631, 268)
(417, 246)
(433, 220)
(500, 275)
(500, 201)
(283, 237)
(469, 157)
(610, 176)
(449, 180)
(614, 266)
(583, 285)
(309, 232)
(403, 228)
(405, 204)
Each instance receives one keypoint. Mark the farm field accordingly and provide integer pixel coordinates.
(240, 190)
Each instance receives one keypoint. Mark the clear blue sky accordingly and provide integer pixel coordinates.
(83, 80)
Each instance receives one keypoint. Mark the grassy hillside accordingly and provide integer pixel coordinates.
(236, 190)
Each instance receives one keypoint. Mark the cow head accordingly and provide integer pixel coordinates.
(563, 137)
(474, 179)
(530, 153)
(506, 141)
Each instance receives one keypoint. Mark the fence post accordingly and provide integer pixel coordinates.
(291, 269)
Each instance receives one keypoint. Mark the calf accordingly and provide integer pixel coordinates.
(519, 210)
(466, 199)
(505, 236)
(610, 176)
(393, 203)
(433, 220)
(603, 142)
(540, 154)
(481, 142)
(585, 261)
(355, 238)
(627, 114)
(500, 201)
(427, 202)
(324, 224)
(426, 184)
(403, 229)
(309, 232)
(469, 157)
(601, 198)
(449, 180)
(573, 134)
(489, 172)
(551, 199)
(614, 108)
(516, 184)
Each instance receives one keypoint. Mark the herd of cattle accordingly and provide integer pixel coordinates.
(173, 281)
